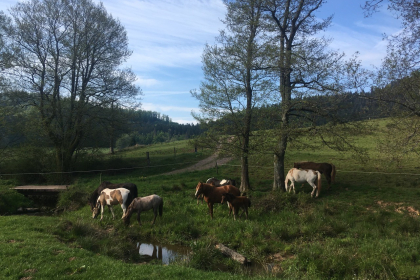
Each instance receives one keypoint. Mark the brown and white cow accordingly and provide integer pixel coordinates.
(112, 197)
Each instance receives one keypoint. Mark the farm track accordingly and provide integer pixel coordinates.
(206, 163)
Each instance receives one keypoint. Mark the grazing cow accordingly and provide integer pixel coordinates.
(237, 203)
(108, 185)
(213, 194)
(301, 176)
(146, 203)
(217, 183)
(112, 197)
(327, 169)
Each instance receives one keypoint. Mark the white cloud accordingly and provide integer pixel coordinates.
(165, 93)
(167, 33)
(146, 82)
(184, 120)
(367, 39)
(154, 57)
(166, 108)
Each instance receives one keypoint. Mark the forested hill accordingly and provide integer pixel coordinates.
(124, 128)
(147, 127)
(348, 107)
(121, 127)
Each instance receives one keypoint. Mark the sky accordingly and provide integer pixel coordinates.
(167, 38)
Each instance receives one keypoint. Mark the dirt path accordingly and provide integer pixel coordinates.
(206, 163)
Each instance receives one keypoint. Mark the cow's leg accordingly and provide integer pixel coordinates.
(138, 217)
(328, 176)
(230, 207)
(314, 189)
(102, 211)
(210, 209)
(155, 211)
(124, 208)
(112, 211)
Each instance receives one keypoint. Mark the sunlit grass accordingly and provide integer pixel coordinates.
(367, 226)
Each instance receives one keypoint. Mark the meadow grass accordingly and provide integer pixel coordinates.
(365, 227)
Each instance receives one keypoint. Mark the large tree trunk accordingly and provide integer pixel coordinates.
(111, 146)
(278, 183)
(247, 130)
(111, 140)
(244, 175)
(63, 159)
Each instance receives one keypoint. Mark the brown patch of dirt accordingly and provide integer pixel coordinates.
(400, 208)
(206, 163)
(279, 257)
(276, 259)
(30, 271)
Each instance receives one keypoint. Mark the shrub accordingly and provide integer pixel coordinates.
(72, 199)
(11, 201)
(205, 257)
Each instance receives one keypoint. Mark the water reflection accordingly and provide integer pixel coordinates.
(165, 253)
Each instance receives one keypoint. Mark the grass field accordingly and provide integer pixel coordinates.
(367, 226)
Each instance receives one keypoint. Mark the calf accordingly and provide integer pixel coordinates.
(237, 202)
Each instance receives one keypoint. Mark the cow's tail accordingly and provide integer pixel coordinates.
(130, 198)
(319, 183)
(161, 208)
(286, 181)
(333, 173)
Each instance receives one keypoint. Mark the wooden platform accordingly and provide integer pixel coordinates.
(41, 190)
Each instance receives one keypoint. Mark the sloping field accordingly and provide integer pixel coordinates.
(367, 226)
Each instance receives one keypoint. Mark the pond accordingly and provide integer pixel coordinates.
(166, 254)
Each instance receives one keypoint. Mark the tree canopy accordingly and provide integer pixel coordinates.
(68, 57)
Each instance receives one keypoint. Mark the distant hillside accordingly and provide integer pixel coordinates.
(148, 127)
(350, 107)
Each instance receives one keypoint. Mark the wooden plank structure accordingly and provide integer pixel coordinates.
(41, 190)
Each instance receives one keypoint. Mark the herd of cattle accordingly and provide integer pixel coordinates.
(213, 191)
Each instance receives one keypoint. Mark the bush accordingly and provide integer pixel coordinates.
(205, 257)
(11, 201)
(30, 159)
(72, 199)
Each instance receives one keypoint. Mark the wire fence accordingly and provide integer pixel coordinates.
(216, 165)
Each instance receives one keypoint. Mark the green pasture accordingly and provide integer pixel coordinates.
(367, 226)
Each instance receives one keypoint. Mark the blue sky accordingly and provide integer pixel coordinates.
(167, 38)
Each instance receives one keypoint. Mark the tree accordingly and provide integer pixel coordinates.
(5, 109)
(5, 51)
(397, 84)
(306, 67)
(67, 60)
(234, 82)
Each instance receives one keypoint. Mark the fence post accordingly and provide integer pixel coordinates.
(195, 148)
(147, 158)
